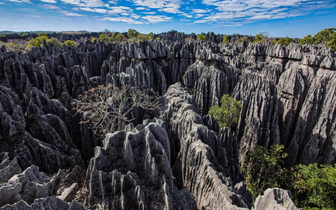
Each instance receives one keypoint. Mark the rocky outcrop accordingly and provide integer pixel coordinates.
(31, 184)
(314, 134)
(209, 82)
(258, 123)
(45, 203)
(132, 170)
(201, 154)
(275, 198)
(187, 162)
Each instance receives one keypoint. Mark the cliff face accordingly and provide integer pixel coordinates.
(184, 160)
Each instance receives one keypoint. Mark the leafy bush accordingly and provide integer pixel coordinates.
(227, 115)
(38, 41)
(103, 38)
(332, 44)
(108, 109)
(225, 39)
(70, 43)
(285, 41)
(119, 37)
(141, 37)
(245, 38)
(94, 40)
(307, 40)
(150, 36)
(261, 37)
(201, 37)
(326, 36)
(314, 186)
(263, 169)
(132, 33)
(55, 43)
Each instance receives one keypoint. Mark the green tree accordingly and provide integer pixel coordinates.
(314, 186)
(227, 115)
(285, 41)
(245, 38)
(38, 41)
(55, 43)
(263, 169)
(119, 37)
(201, 37)
(142, 37)
(261, 37)
(94, 40)
(226, 39)
(132, 33)
(112, 37)
(150, 36)
(332, 44)
(70, 43)
(103, 38)
(258, 38)
(325, 36)
(307, 40)
(42, 34)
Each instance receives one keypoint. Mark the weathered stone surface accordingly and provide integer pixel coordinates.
(287, 93)
(8, 169)
(258, 123)
(200, 148)
(132, 170)
(209, 82)
(275, 198)
(314, 137)
(48, 203)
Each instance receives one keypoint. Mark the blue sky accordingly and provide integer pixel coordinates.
(293, 18)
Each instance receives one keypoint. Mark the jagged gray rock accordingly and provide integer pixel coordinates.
(258, 124)
(313, 139)
(288, 95)
(201, 148)
(209, 82)
(132, 170)
(275, 198)
(45, 203)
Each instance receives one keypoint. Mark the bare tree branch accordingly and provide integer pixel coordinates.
(107, 109)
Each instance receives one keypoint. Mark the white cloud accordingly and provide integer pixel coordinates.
(75, 2)
(87, 9)
(71, 14)
(48, 6)
(85, 3)
(186, 15)
(49, 1)
(200, 11)
(245, 11)
(199, 15)
(156, 19)
(169, 6)
(20, 1)
(140, 8)
(119, 10)
(100, 10)
(122, 19)
(149, 13)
